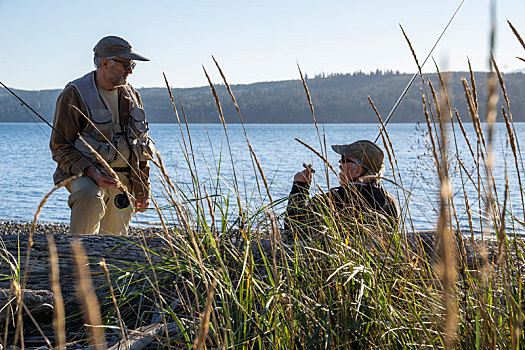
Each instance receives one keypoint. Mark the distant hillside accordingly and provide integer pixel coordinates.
(337, 98)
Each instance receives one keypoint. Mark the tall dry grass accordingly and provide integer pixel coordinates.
(242, 282)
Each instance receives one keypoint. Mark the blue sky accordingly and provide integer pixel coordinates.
(45, 44)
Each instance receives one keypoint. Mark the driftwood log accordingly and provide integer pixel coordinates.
(123, 254)
(144, 336)
(38, 302)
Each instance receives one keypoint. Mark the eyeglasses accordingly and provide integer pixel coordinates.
(127, 65)
(348, 160)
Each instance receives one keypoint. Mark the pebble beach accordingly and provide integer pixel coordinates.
(11, 227)
(58, 228)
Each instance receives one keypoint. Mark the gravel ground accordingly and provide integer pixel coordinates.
(24, 228)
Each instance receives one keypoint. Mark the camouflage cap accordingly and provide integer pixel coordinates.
(112, 46)
(370, 154)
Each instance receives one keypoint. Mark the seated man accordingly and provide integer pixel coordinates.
(360, 195)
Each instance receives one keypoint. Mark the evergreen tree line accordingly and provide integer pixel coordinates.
(337, 98)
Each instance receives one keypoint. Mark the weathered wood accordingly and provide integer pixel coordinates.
(38, 302)
(122, 254)
(140, 338)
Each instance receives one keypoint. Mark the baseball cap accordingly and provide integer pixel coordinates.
(111, 46)
(370, 154)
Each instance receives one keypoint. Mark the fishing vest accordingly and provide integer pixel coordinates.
(100, 135)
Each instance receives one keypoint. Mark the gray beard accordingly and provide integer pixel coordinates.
(118, 80)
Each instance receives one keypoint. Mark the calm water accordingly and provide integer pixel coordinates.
(26, 169)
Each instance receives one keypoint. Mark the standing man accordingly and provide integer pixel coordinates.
(117, 129)
(360, 194)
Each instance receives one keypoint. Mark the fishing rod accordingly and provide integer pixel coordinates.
(393, 110)
(121, 200)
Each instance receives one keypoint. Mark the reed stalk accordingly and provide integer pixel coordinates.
(223, 122)
(445, 234)
(122, 326)
(20, 290)
(236, 105)
(194, 174)
(252, 152)
(59, 314)
(511, 131)
(317, 154)
(88, 298)
(446, 102)
(473, 84)
(517, 34)
(312, 110)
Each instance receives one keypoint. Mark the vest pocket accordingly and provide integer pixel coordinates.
(102, 124)
(144, 149)
(138, 126)
(104, 149)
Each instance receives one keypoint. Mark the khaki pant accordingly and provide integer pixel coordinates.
(93, 209)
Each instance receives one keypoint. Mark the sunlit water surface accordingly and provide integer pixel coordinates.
(26, 167)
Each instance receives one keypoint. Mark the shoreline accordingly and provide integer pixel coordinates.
(19, 227)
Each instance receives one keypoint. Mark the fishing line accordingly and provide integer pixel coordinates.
(416, 74)
(121, 200)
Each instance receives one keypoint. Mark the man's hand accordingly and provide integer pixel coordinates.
(141, 204)
(305, 175)
(101, 178)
